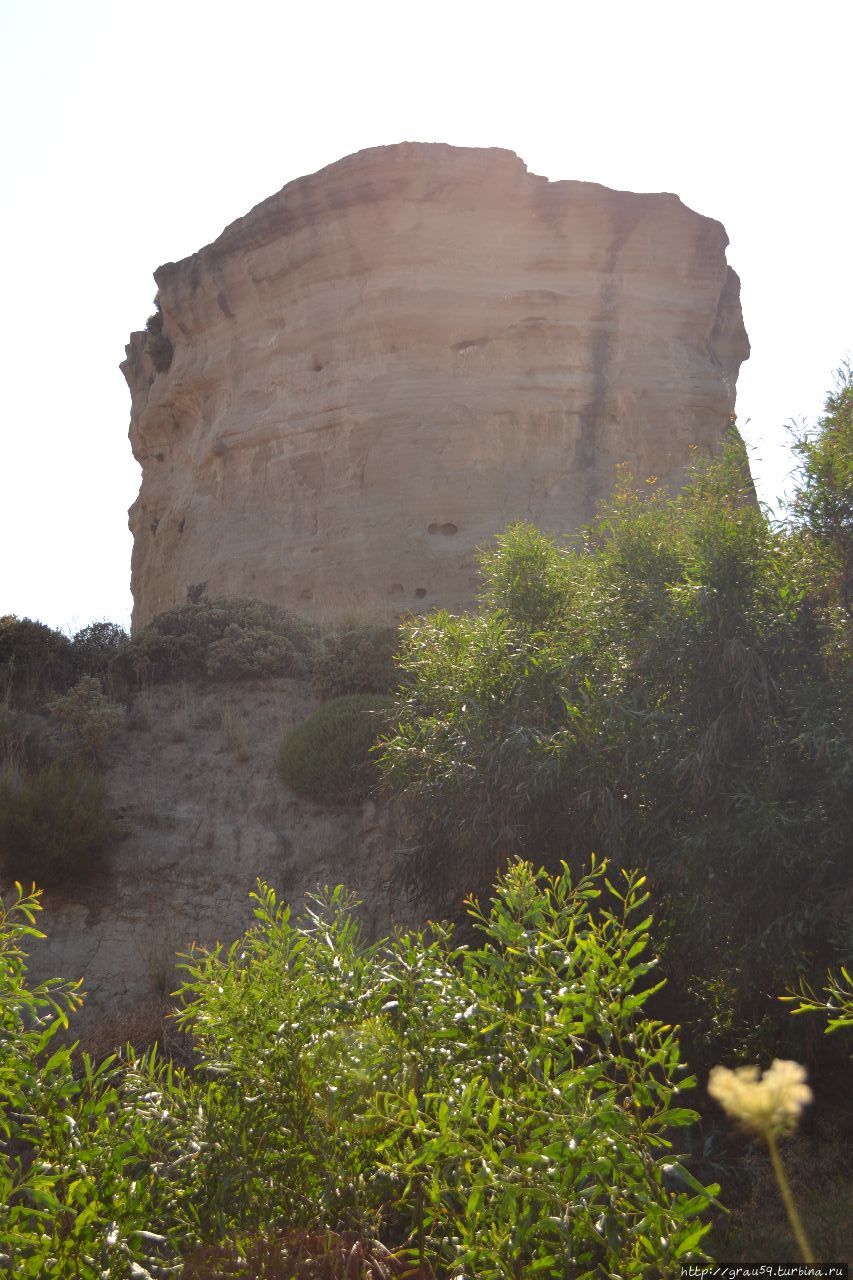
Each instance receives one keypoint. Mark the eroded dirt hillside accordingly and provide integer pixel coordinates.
(192, 782)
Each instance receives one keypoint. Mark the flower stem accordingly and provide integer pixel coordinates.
(788, 1200)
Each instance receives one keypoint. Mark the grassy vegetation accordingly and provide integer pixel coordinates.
(54, 827)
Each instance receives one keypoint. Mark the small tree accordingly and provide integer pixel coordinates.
(89, 718)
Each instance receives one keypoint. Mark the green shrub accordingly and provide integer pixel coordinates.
(673, 688)
(358, 658)
(823, 502)
(54, 829)
(37, 661)
(246, 654)
(89, 718)
(221, 640)
(328, 757)
(501, 1110)
(34, 659)
(96, 646)
(69, 1145)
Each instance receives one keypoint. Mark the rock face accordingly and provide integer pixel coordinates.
(380, 367)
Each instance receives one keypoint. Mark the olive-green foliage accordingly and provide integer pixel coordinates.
(68, 1142)
(54, 828)
(500, 1110)
(358, 658)
(221, 640)
(88, 717)
(666, 689)
(329, 757)
(96, 646)
(836, 1001)
(33, 657)
(37, 661)
(823, 503)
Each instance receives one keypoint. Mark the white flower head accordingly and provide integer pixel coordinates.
(770, 1104)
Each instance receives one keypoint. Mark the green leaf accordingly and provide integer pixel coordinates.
(494, 1116)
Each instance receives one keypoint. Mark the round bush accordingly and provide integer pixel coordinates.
(96, 645)
(356, 659)
(88, 717)
(328, 757)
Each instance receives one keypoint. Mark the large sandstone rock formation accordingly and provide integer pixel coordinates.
(377, 369)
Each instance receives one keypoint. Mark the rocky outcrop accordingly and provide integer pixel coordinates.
(377, 369)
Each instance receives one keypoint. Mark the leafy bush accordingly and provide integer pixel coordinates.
(88, 717)
(837, 1001)
(358, 658)
(301, 1255)
(823, 503)
(53, 825)
(503, 1109)
(221, 640)
(33, 657)
(494, 1111)
(244, 654)
(37, 661)
(328, 757)
(669, 689)
(69, 1145)
(96, 646)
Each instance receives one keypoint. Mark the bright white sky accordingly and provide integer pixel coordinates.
(133, 133)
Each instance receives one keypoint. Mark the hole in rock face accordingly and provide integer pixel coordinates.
(306, 594)
(182, 524)
(447, 529)
(159, 456)
(397, 589)
(317, 366)
(420, 592)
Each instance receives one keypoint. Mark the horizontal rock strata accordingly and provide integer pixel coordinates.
(376, 370)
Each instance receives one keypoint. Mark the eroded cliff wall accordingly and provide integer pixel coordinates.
(192, 785)
(381, 366)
